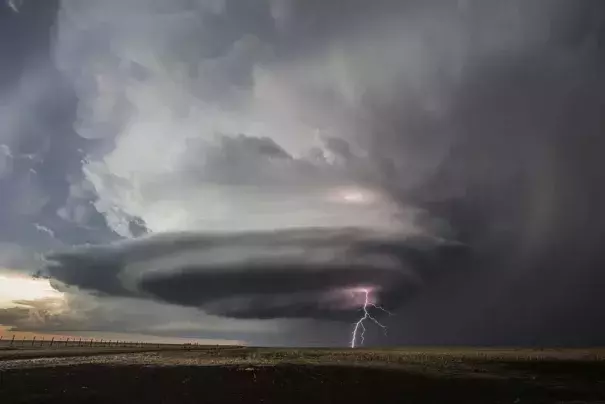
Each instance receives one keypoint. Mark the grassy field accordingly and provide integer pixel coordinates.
(37, 349)
(192, 374)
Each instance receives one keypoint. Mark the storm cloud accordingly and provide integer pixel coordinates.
(307, 273)
(266, 159)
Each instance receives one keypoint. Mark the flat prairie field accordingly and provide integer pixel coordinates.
(233, 374)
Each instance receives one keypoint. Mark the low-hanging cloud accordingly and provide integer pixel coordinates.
(442, 111)
(308, 273)
(477, 121)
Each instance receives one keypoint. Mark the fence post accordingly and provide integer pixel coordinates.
(91, 342)
(52, 341)
(13, 340)
(34, 341)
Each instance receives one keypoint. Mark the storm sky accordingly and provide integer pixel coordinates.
(241, 170)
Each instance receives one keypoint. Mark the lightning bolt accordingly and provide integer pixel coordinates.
(366, 316)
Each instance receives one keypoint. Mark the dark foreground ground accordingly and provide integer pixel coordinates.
(259, 375)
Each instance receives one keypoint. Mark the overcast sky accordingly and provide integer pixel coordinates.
(244, 170)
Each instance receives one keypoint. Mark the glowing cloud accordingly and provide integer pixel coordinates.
(16, 288)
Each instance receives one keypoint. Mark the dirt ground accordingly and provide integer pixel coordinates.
(264, 375)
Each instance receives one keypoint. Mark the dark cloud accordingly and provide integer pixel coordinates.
(474, 120)
(520, 185)
(311, 273)
(40, 154)
(501, 139)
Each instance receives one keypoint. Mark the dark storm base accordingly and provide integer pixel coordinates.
(536, 382)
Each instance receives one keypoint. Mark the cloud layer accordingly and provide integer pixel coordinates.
(307, 273)
(258, 159)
